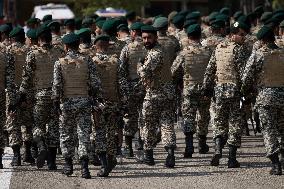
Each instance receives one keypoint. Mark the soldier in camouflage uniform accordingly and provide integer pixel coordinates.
(17, 115)
(222, 77)
(123, 33)
(32, 40)
(56, 34)
(38, 75)
(86, 47)
(191, 64)
(149, 71)
(110, 28)
(5, 29)
(105, 130)
(2, 104)
(131, 88)
(75, 85)
(265, 66)
(170, 47)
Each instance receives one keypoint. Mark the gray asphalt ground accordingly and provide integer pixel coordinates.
(188, 173)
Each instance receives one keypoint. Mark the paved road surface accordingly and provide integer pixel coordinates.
(188, 173)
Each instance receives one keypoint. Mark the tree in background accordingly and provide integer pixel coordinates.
(86, 7)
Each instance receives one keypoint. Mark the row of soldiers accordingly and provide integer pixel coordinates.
(116, 77)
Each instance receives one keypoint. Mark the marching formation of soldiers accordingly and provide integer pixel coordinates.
(109, 79)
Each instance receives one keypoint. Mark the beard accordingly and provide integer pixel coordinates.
(149, 46)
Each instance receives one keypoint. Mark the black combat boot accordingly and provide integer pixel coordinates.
(189, 149)
(232, 162)
(68, 167)
(218, 152)
(170, 160)
(148, 157)
(16, 161)
(85, 168)
(42, 154)
(1, 154)
(282, 157)
(51, 158)
(104, 166)
(111, 162)
(276, 165)
(28, 154)
(128, 150)
(202, 146)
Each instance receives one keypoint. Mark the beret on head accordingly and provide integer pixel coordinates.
(178, 20)
(101, 38)
(218, 24)
(70, 38)
(237, 15)
(224, 17)
(83, 32)
(47, 17)
(54, 24)
(193, 29)
(241, 25)
(87, 22)
(266, 16)
(264, 32)
(130, 14)
(100, 23)
(148, 29)
(160, 22)
(136, 26)
(17, 31)
(110, 24)
(69, 22)
(42, 29)
(32, 21)
(189, 22)
(122, 27)
(32, 34)
(225, 10)
(5, 28)
(193, 15)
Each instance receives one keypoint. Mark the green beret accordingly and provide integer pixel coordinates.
(87, 22)
(193, 29)
(244, 19)
(148, 29)
(100, 18)
(110, 24)
(193, 15)
(178, 20)
(78, 23)
(69, 22)
(70, 38)
(160, 22)
(17, 31)
(281, 24)
(53, 24)
(100, 23)
(237, 15)
(258, 11)
(5, 28)
(218, 23)
(136, 26)
(273, 22)
(225, 11)
(224, 17)
(32, 34)
(47, 17)
(32, 21)
(212, 16)
(130, 14)
(189, 22)
(264, 31)
(241, 25)
(47, 22)
(183, 13)
(42, 29)
(265, 16)
(278, 11)
(101, 38)
(83, 32)
(122, 27)
(279, 16)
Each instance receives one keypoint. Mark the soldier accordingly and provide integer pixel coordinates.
(54, 26)
(178, 22)
(130, 17)
(38, 75)
(131, 88)
(222, 77)
(2, 104)
(5, 30)
(265, 66)
(170, 47)
(32, 40)
(123, 33)
(75, 85)
(191, 63)
(99, 25)
(258, 11)
(69, 26)
(17, 115)
(149, 71)
(108, 65)
(86, 47)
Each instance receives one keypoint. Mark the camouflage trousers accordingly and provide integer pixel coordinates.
(193, 104)
(227, 120)
(158, 112)
(105, 128)
(134, 105)
(46, 121)
(19, 125)
(2, 119)
(272, 126)
(75, 123)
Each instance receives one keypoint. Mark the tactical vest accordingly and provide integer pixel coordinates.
(107, 70)
(75, 74)
(273, 68)
(87, 51)
(226, 71)
(44, 60)
(195, 64)
(168, 56)
(136, 51)
(20, 60)
(116, 47)
(2, 71)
